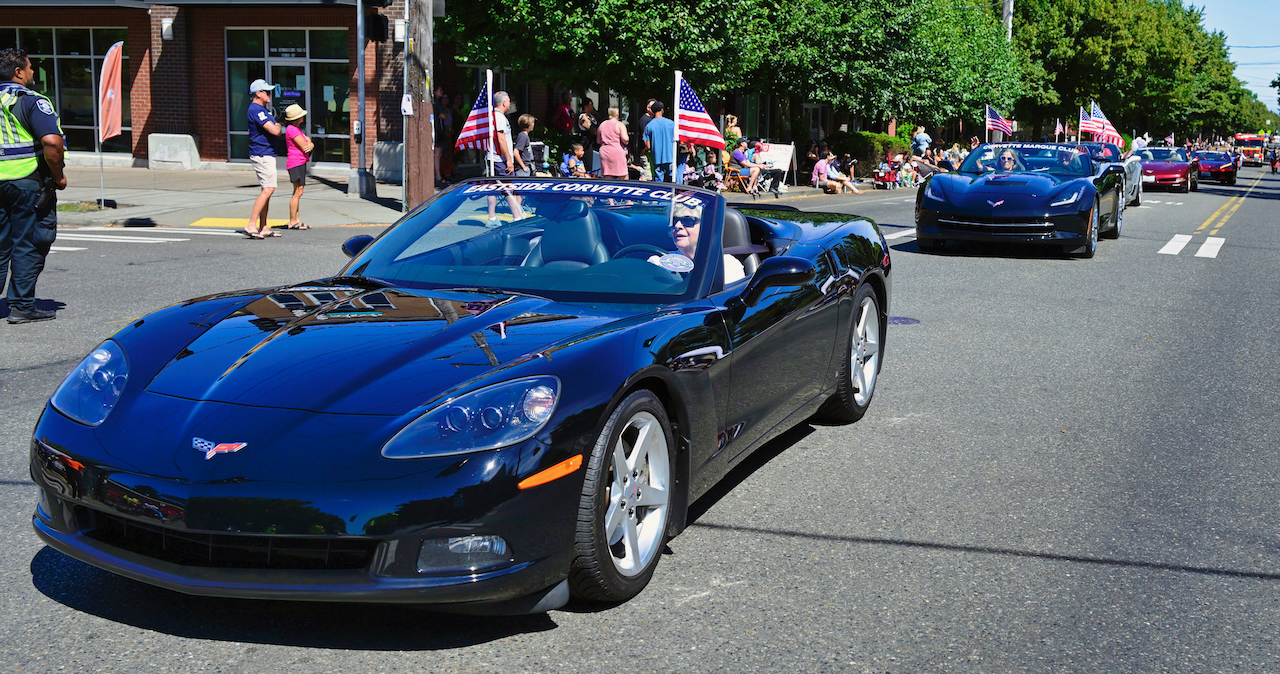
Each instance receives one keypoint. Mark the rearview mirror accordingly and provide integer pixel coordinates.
(774, 272)
(355, 244)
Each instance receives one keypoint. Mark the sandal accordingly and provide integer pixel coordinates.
(252, 235)
(271, 233)
(297, 225)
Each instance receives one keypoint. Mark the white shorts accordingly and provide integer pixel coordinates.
(265, 167)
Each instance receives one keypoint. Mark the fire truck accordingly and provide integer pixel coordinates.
(1250, 146)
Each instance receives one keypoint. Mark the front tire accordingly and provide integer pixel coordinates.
(859, 372)
(623, 513)
(1091, 236)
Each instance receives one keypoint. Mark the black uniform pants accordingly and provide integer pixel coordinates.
(28, 225)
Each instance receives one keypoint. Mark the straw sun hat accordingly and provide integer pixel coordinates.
(293, 112)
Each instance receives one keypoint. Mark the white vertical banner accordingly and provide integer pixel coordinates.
(675, 135)
(493, 149)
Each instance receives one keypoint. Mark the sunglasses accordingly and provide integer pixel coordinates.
(686, 221)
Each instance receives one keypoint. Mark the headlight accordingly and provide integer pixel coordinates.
(1069, 200)
(90, 392)
(491, 417)
(931, 193)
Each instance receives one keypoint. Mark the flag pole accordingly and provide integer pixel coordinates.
(488, 92)
(97, 142)
(987, 123)
(675, 146)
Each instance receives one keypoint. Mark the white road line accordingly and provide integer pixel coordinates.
(1210, 247)
(157, 230)
(115, 239)
(64, 249)
(1175, 245)
(1144, 207)
(1152, 201)
(899, 235)
(1177, 203)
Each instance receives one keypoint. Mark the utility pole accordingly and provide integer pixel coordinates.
(1007, 18)
(360, 182)
(419, 140)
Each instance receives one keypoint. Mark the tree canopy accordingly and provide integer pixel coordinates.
(1150, 64)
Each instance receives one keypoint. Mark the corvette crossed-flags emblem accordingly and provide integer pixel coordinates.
(211, 449)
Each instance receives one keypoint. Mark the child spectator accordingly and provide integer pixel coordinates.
(574, 167)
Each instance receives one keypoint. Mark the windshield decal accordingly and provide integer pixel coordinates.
(662, 194)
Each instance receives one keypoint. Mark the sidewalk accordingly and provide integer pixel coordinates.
(147, 197)
(216, 199)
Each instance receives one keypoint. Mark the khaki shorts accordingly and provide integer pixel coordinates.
(265, 167)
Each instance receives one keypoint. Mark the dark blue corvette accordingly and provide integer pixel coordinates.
(509, 397)
(1043, 193)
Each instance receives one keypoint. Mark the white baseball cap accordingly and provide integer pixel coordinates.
(260, 85)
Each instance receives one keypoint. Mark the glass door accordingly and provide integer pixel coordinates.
(290, 78)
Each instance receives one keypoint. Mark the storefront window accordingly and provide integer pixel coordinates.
(67, 63)
(307, 67)
(287, 43)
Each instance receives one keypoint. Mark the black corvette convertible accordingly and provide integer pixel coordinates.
(1043, 193)
(510, 397)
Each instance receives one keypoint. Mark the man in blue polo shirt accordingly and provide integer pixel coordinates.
(262, 153)
(660, 139)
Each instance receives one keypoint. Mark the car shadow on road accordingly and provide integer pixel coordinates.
(383, 627)
(744, 470)
(974, 249)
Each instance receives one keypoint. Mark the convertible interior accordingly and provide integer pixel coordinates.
(573, 244)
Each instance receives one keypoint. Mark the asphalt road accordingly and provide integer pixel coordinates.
(1070, 465)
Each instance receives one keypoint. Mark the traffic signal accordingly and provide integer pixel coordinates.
(376, 27)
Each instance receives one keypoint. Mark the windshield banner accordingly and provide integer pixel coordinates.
(610, 189)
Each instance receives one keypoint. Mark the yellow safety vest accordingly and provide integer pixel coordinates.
(18, 149)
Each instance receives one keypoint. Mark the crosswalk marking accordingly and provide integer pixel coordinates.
(1152, 201)
(1210, 247)
(899, 235)
(115, 239)
(64, 249)
(1175, 244)
(158, 230)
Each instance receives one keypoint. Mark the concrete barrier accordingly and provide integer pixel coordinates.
(172, 151)
(388, 161)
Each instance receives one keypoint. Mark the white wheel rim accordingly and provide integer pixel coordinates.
(635, 519)
(864, 360)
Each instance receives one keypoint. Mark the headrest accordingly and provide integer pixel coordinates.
(573, 209)
(736, 232)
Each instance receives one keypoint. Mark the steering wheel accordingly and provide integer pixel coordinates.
(637, 248)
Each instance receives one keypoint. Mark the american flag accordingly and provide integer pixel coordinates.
(997, 123)
(695, 124)
(1169, 139)
(1087, 125)
(1104, 127)
(1057, 130)
(475, 132)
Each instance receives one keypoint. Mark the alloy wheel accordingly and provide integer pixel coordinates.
(864, 358)
(635, 519)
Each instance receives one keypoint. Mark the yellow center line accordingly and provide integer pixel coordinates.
(1239, 200)
(1216, 214)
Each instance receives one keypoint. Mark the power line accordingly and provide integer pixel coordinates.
(1253, 46)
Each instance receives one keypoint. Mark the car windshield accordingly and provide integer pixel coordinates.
(1213, 156)
(1162, 154)
(591, 241)
(1057, 160)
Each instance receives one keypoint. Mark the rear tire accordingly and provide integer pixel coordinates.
(861, 367)
(1137, 199)
(624, 509)
(1118, 219)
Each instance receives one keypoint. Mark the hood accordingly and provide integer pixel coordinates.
(998, 194)
(1215, 163)
(343, 350)
(1162, 167)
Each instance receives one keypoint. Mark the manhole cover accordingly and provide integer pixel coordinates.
(902, 320)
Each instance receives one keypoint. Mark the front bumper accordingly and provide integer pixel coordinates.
(1060, 230)
(1220, 175)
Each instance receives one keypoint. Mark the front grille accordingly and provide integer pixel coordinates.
(225, 550)
(989, 225)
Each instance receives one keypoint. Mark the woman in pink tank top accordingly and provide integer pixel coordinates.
(300, 147)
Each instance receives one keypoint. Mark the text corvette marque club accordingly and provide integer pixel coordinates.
(534, 408)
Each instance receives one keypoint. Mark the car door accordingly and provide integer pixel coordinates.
(781, 356)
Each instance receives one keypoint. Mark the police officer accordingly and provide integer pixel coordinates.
(31, 149)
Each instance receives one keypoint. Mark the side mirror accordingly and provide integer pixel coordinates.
(355, 244)
(774, 272)
(1113, 168)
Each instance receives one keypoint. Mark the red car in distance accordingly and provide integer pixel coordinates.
(1219, 166)
(1169, 167)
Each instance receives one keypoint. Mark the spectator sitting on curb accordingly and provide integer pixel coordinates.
(834, 174)
(742, 167)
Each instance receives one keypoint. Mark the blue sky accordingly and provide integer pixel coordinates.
(1249, 23)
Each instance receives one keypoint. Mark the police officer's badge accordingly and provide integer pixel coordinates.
(45, 106)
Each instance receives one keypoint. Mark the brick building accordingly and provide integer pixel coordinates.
(188, 65)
